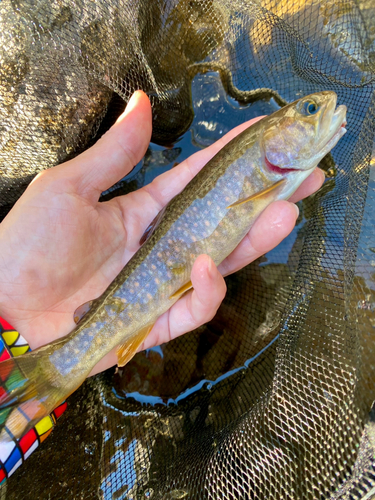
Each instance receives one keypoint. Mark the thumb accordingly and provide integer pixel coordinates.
(115, 154)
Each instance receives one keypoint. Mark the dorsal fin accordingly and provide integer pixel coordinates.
(259, 194)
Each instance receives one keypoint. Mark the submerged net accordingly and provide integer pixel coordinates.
(273, 398)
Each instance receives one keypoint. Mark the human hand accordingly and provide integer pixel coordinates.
(60, 247)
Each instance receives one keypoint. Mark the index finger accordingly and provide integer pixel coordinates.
(164, 187)
(140, 207)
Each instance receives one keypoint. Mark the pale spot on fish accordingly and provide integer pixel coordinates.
(207, 223)
(136, 284)
(153, 266)
(157, 281)
(149, 296)
(209, 203)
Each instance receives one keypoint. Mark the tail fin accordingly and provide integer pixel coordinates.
(27, 394)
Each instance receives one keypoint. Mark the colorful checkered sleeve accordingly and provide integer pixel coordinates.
(15, 451)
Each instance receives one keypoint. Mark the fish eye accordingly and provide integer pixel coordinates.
(309, 107)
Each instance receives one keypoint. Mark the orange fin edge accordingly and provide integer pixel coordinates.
(126, 351)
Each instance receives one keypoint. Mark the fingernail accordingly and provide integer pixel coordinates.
(297, 210)
(130, 106)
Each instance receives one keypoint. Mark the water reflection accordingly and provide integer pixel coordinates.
(216, 113)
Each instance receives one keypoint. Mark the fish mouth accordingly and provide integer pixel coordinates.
(278, 170)
(336, 130)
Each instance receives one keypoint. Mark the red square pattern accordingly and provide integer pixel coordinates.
(27, 440)
(5, 324)
(60, 410)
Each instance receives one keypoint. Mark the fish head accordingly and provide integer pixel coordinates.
(298, 136)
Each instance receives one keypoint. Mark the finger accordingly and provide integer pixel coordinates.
(116, 153)
(164, 187)
(272, 226)
(309, 185)
(139, 208)
(193, 309)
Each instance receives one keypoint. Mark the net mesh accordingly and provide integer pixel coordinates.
(273, 398)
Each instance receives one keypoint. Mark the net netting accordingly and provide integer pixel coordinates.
(273, 398)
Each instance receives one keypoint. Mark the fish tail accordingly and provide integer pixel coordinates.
(28, 393)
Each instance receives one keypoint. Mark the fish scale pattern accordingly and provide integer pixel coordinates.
(274, 397)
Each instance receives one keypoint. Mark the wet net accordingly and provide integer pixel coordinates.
(273, 398)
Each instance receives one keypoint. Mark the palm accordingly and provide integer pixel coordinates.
(59, 247)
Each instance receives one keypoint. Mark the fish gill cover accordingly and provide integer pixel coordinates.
(273, 398)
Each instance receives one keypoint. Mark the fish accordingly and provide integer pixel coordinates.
(212, 214)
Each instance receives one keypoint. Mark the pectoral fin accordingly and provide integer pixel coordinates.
(258, 195)
(82, 311)
(126, 351)
(182, 290)
(152, 226)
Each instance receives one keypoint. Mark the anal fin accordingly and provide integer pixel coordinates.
(259, 194)
(126, 351)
